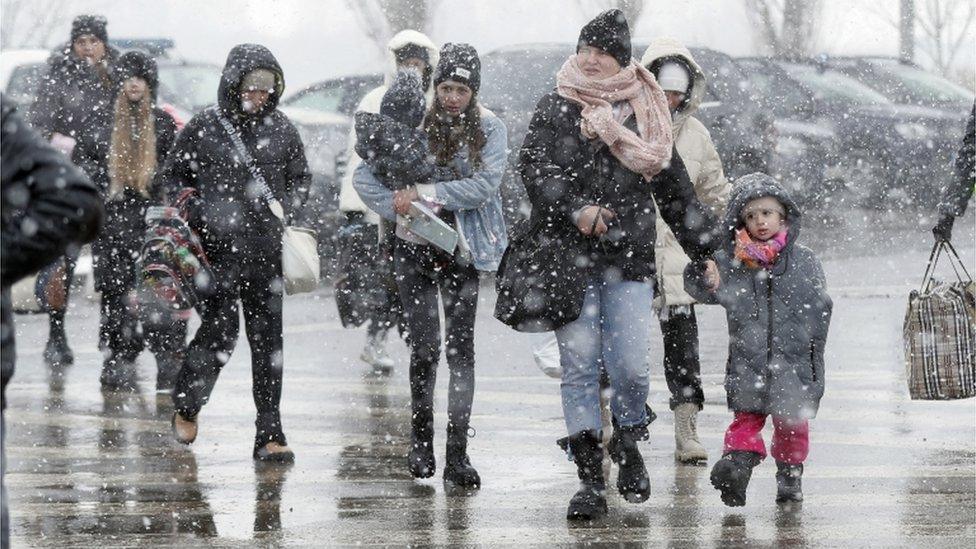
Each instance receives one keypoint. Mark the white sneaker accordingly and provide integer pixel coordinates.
(374, 353)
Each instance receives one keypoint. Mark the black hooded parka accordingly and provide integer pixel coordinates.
(240, 235)
(230, 209)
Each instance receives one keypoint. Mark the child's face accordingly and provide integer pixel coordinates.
(763, 217)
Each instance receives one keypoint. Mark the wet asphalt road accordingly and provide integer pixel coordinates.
(87, 469)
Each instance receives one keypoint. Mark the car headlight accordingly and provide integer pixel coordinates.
(913, 131)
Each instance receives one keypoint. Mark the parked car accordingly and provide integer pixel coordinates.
(337, 95)
(907, 84)
(891, 155)
(323, 113)
(185, 87)
(21, 71)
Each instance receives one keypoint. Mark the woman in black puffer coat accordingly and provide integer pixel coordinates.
(241, 236)
(122, 159)
(597, 157)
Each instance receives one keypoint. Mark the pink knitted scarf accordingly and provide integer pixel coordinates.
(646, 153)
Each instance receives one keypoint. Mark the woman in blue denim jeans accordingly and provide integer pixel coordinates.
(598, 154)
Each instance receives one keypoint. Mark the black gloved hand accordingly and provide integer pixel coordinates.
(943, 229)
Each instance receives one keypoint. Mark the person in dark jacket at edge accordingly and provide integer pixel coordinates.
(48, 206)
(956, 194)
(241, 237)
(598, 154)
(77, 93)
(122, 158)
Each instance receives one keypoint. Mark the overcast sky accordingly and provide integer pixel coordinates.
(318, 39)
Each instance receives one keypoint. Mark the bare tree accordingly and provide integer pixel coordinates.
(785, 28)
(27, 23)
(632, 8)
(381, 19)
(906, 31)
(943, 29)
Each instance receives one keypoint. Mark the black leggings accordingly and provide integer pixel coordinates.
(682, 368)
(420, 272)
(253, 276)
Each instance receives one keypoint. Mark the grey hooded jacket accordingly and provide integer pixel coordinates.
(777, 318)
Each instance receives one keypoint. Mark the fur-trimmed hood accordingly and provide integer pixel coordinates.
(403, 38)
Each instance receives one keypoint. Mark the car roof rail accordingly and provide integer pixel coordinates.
(157, 47)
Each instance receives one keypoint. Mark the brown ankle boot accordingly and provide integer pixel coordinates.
(185, 430)
(275, 452)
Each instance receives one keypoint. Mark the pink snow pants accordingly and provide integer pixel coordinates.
(791, 437)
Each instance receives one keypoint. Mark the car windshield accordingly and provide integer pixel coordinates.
(832, 85)
(322, 99)
(23, 83)
(192, 87)
(726, 81)
(766, 85)
(923, 86)
(516, 80)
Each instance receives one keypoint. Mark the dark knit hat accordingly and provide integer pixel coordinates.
(459, 62)
(609, 32)
(137, 63)
(412, 50)
(404, 101)
(89, 24)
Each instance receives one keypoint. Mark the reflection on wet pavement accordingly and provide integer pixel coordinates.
(92, 469)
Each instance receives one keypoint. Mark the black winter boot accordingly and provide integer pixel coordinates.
(590, 501)
(421, 460)
(731, 476)
(789, 482)
(458, 469)
(57, 352)
(632, 481)
(118, 375)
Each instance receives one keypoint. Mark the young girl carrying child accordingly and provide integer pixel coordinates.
(778, 310)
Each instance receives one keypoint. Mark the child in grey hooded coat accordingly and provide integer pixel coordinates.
(778, 310)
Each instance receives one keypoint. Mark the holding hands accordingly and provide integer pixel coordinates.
(712, 279)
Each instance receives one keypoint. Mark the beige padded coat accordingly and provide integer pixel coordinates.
(695, 146)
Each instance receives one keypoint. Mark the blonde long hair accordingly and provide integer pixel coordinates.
(132, 154)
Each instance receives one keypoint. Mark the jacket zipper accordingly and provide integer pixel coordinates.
(769, 318)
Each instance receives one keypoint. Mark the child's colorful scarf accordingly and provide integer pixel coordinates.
(755, 254)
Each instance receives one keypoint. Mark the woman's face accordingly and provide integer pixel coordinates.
(674, 99)
(252, 101)
(596, 63)
(135, 89)
(89, 48)
(454, 97)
